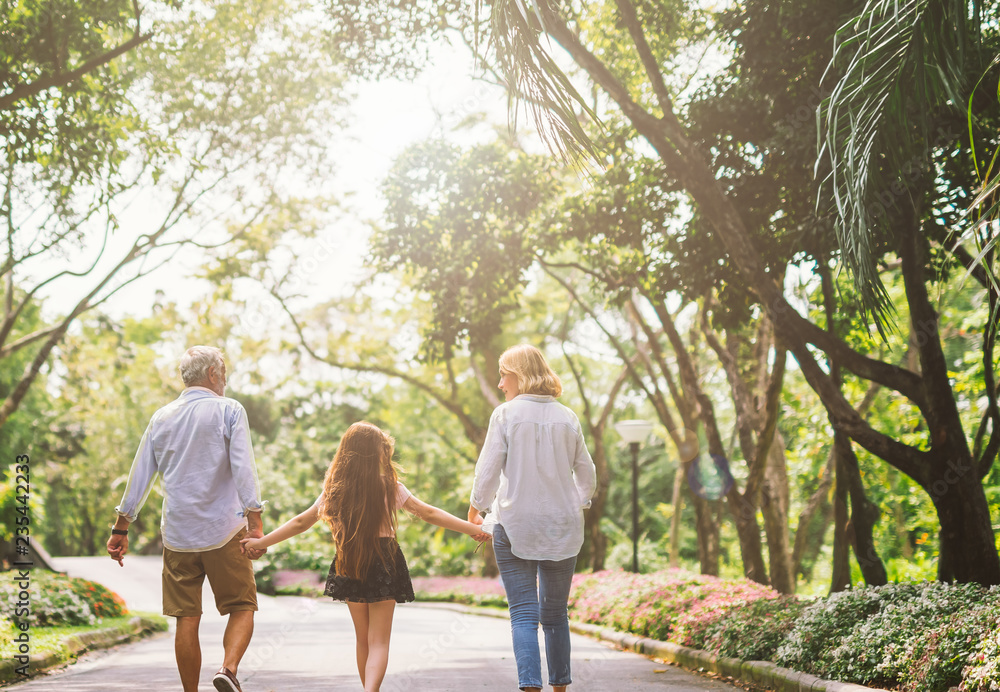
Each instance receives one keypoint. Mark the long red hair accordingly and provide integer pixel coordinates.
(359, 499)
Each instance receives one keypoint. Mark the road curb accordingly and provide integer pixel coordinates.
(762, 673)
(76, 644)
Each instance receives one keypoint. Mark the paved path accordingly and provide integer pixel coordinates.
(307, 645)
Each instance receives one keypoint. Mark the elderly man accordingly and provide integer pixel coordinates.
(200, 445)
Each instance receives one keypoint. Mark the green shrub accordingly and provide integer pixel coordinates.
(983, 672)
(6, 632)
(306, 554)
(936, 658)
(56, 599)
(753, 631)
(827, 622)
(875, 652)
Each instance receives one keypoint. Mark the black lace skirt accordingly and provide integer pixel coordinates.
(380, 585)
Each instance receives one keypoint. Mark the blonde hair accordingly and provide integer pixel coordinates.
(534, 376)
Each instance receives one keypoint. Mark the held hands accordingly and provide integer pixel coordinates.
(475, 518)
(251, 546)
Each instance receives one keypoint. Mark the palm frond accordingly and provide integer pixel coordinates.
(895, 64)
(985, 208)
(535, 80)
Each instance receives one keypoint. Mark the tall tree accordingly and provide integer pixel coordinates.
(204, 163)
(947, 469)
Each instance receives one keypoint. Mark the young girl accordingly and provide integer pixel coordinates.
(360, 497)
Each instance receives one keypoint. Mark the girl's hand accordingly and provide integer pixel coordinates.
(253, 547)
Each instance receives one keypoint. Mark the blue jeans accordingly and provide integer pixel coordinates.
(528, 583)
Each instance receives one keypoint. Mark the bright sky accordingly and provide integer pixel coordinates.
(385, 118)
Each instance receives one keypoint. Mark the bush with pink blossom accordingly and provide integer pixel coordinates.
(480, 591)
(671, 604)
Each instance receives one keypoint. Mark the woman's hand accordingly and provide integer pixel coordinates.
(474, 516)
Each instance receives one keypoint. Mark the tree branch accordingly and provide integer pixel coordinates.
(475, 433)
(22, 91)
(634, 26)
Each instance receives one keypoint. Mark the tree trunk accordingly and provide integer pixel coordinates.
(595, 547)
(840, 578)
(864, 516)
(707, 529)
(968, 551)
(677, 502)
(748, 531)
(774, 507)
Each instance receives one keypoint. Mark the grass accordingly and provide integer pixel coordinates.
(45, 640)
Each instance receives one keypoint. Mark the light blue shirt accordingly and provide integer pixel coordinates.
(200, 445)
(536, 476)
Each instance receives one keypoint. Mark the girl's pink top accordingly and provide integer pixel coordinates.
(402, 495)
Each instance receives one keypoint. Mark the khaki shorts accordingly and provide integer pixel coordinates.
(229, 572)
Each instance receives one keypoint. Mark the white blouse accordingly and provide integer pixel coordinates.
(536, 476)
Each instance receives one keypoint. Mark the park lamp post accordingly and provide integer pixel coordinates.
(634, 432)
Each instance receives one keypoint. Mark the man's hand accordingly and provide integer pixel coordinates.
(255, 529)
(117, 547)
(250, 551)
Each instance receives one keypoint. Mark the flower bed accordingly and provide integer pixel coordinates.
(469, 590)
(56, 599)
(927, 637)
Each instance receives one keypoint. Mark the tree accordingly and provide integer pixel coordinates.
(947, 470)
(205, 163)
(65, 48)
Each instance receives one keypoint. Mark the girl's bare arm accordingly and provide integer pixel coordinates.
(292, 527)
(438, 517)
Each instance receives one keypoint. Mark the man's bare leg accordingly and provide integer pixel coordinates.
(187, 649)
(235, 641)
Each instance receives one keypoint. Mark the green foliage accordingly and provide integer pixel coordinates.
(55, 599)
(983, 672)
(875, 651)
(753, 631)
(310, 552)
(71, 131)
(827, 622)
(878, 635)
(937, 658)
(456, 223)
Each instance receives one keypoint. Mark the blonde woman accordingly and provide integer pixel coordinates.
(535, 476)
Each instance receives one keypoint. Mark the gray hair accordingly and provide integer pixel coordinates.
(196, 362)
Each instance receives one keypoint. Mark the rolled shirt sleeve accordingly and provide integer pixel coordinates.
(140, 477)
(491, 462)
(199, 445)
(241, 461)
